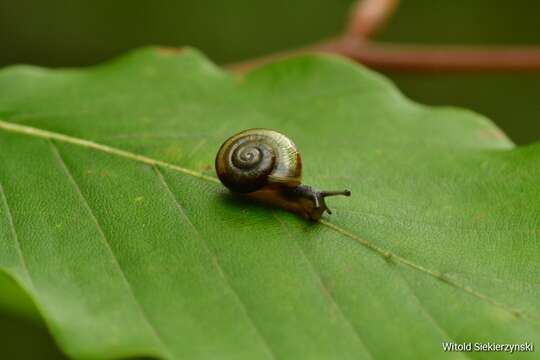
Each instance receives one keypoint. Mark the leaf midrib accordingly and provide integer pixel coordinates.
(386, 254)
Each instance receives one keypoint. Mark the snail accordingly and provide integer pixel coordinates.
(265, 165)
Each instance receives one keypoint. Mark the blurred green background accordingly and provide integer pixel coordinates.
(76, 33)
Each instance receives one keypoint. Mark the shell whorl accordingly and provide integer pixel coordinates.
(254, 158)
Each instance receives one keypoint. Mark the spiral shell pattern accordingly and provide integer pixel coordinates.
(253, 158)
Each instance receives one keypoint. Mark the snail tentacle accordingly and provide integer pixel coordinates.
(318, 199)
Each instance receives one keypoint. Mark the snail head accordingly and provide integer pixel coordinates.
(316, 199)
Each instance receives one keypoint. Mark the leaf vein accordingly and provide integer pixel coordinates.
(214, 260)
(390, 256)
(18, 247)
(436, 324)
(108, 246)
(32, 131)
(325, 289)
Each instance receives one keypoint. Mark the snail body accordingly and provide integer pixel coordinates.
(265, 165)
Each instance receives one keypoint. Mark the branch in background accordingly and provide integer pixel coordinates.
(418, 58)
(369, 16)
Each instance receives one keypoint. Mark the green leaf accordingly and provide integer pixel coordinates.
(112, 221)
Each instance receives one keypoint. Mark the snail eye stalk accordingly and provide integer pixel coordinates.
(320, 195)
(335, 193)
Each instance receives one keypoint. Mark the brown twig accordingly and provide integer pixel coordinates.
(436, 58)
(368, 17)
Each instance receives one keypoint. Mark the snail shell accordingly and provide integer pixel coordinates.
(251, 159)
(265, 165)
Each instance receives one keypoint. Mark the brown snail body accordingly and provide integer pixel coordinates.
(265, 165)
